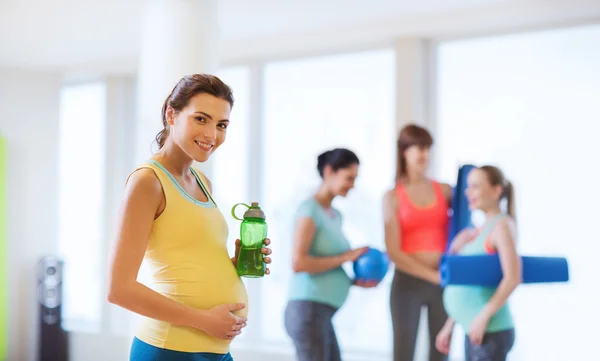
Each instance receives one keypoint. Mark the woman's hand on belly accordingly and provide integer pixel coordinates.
(221, 322)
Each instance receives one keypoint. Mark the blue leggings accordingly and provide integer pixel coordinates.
(141, 351)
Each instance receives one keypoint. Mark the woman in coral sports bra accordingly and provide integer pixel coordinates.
(416, 225)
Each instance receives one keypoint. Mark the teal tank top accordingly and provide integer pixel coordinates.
(330, 287)
(463, 303)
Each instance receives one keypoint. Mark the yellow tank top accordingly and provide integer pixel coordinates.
(188, 258)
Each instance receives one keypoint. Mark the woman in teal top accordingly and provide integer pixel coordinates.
(319, 284)
(483, 312)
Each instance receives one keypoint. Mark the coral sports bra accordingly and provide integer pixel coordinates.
(423, 229)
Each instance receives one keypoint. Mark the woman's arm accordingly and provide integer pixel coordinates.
(142, 201)
(444, 337)
(302, 261)
(449, 324)
(502, 239)
(403, 261)
(448, 193)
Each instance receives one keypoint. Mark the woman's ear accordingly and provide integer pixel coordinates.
(170, 116)
(498, 191)
(327, 171)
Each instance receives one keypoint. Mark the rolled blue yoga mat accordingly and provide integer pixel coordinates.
(485, 270)
(461, 215)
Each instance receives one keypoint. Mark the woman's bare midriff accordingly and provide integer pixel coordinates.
(431, 259)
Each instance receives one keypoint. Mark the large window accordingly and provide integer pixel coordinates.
(529, 103)
(81, 201)
(230, 164)
(309, 106)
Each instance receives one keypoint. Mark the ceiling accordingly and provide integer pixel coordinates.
(79, 33)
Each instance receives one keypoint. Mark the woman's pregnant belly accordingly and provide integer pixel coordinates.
(206, 291)
(198, 288)
(464, 303)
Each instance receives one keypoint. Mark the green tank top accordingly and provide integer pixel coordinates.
(463, 303)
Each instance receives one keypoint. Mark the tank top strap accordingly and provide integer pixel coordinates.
(490, 224)
(167, 184)
(401, 193)
(487, 228)
(437, 188)
(203, 181)
(172, 189)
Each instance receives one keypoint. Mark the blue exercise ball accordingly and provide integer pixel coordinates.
(372, 265)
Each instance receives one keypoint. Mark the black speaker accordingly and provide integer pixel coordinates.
(52, 338)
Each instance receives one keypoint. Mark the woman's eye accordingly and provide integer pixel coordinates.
(222, 126)
(201, 119)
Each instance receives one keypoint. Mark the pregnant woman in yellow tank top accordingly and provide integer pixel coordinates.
(197, 303)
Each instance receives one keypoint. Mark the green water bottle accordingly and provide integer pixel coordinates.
(253, 232)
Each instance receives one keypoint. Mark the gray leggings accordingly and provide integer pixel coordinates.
(309, 324)
(407, 296)
(495, 346)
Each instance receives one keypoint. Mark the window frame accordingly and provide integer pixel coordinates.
(84, 324)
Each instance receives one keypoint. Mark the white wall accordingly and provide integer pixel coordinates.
(29, 122)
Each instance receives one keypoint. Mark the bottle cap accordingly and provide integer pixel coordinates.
(254, 211)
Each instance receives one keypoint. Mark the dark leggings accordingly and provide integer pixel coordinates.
(407, 296)
(309, 324)
(495, 346)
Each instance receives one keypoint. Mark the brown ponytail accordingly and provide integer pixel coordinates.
(161, 137)
(509, 193)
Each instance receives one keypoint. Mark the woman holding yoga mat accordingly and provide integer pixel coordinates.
(483, 312)
(416, 231)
